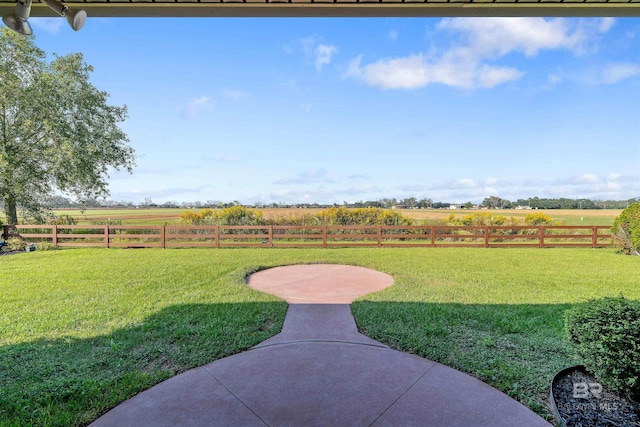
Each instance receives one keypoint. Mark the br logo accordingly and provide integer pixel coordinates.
(586, 390)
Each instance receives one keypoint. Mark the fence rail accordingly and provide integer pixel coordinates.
(285, 236)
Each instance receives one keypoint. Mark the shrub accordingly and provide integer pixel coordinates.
(626, 229)
(204, 217)
(301, 219)
(46, 246)
(64, 220)
(481, 219)
(538, 218)
(362, 216)
(239, 215)
(16, 244)
(234, 215)
(606, 333)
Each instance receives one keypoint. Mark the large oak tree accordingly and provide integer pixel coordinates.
(58, 134)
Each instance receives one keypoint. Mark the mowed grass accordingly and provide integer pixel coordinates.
(84, 329)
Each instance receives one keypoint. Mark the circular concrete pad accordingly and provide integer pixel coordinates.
(319, 283)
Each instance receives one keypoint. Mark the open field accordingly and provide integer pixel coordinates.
(172, 216)
(566, 216)
(84, 329)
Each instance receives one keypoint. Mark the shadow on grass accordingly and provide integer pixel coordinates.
(515, 348)
(71, 381)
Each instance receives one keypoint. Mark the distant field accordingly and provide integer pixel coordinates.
(172, 216)
(566, 216)
(125, 216)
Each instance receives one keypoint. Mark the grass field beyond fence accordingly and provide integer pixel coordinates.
(84, 329)
(171, 216)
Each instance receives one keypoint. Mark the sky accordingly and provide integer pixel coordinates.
(330, 110)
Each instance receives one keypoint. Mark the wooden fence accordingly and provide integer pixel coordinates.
(284, 236)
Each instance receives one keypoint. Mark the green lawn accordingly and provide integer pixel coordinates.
(83, 329)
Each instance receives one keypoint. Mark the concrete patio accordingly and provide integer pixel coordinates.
(320, 371)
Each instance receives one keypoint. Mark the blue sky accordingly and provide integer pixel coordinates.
(333, 110)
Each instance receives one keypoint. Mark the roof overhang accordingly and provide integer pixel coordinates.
(341, 8)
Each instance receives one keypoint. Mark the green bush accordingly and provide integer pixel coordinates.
(46, 246)
(538, 218)
(626, 228)
(606, 333)
(362, 216)
(64, 220)
(481, 219)
(16, 244)
(239, 215)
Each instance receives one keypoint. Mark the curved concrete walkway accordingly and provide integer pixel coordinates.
(319, 371)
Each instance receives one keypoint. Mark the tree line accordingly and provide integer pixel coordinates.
(492, 202)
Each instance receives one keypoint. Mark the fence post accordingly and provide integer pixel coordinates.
(594, 237)
(379, 236)
(270, 237)
(163, 233)
(217, 236)
(486, 237)
(542, 233)
(106, 236)
(54, 237)
(324, 237)
(433, 236)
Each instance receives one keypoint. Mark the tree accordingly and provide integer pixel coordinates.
(425, 203)
(494, 202)
(626, 229)
(58, 135)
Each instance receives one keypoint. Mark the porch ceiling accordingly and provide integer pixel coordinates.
(339, 8)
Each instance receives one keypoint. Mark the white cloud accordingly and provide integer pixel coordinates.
(588, 178)
(500, 36)
(393, 35)
(488, 77)
(465, 64)
(467, 183)
(554, 79)
(416, 71)
(194, 106)
(458, 184)
(491, 181)
(617, 72)
(588, 185)
(50, 25)
(313, 186)
(606, 24)
(400, 73)
(323, 54)
(320, 53)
